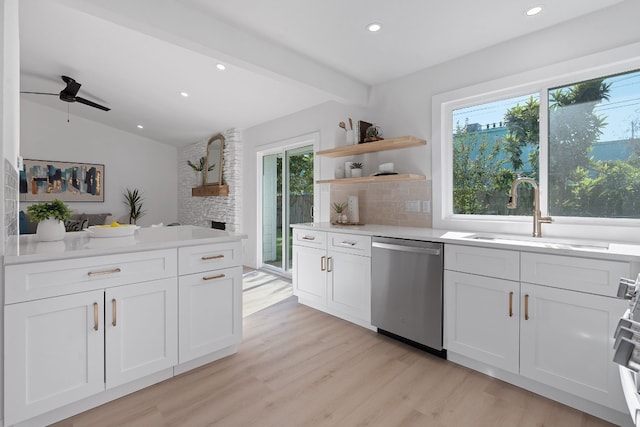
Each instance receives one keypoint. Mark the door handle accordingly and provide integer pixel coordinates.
(95, 316)
(329, 266)
(113, 310)
(101, 272)
(210, 257)
(323, 263)
(218, 276)
(511, 304)
(526, 307)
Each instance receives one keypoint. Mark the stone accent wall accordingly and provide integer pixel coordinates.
(202, 210)
(385, 203)
(11, 183)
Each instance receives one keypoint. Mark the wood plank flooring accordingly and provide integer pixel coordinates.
(300, 367)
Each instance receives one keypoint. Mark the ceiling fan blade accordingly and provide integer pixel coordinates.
(91, 104)
(42, 93)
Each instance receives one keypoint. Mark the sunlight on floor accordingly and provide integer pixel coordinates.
(261, 290)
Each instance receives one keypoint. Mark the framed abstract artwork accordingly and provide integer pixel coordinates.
(45, 180)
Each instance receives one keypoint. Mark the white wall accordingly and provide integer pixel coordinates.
(323, 118)
(403, 106)
(130, 161)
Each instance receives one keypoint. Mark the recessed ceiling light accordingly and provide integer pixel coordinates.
(221, 67)
(374, 27)
(185, 94)
(140, 127)
(533, 11)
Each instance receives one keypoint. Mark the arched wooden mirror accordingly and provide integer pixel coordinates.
(213, 171)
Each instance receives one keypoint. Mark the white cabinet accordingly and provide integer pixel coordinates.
(558, 337)
(332, 272)
(566, 342)
(54, 353)
(210, 312)
(482, 316)
(141, 330)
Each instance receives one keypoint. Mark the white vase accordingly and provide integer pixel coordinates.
(356, 173)
(198, 179)
(50, 230)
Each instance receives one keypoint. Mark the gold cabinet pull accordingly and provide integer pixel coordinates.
(113, 309)
(511, 304)
(329, 264)
(526, 307)
(308, 237)
(95, 316)
(219, 276)
(102, 272)
(323, 263)
(210, 257)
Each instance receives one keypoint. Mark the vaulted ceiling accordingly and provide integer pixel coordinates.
(281, 56)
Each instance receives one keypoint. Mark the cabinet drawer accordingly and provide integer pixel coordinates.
(579, 274)
(350, 243)
(24, 282)
(310, 238)
(499, 263)
(195, 259)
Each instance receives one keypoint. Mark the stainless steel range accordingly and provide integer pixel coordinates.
(627, 346)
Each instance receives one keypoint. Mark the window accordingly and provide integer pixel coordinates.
(591, 150)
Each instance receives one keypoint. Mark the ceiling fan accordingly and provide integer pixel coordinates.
(68, 94)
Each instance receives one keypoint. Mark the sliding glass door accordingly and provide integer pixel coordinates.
(287, 198)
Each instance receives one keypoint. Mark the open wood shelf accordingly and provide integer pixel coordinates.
(210, 190)
(372, 179)
(373, 147)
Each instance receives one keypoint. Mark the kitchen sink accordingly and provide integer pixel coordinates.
(541, 242)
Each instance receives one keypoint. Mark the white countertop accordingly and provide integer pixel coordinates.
(23, 249)
(619, 251)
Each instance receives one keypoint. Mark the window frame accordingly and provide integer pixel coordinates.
(538, 81)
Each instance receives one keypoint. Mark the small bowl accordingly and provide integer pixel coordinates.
(385, 167)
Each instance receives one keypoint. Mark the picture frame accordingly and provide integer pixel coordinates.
(362, 131)
(45, 180)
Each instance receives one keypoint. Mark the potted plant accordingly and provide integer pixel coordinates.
(356, 170)
(50, 217)
(339, 207)
(199, 168)
(133, 199)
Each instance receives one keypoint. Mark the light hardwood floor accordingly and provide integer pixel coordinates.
(300, 367)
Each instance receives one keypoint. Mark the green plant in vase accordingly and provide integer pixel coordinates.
(339, 208)
(50, 217)
(356, 170)
(199, 168)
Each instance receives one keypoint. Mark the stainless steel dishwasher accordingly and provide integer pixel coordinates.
(406, 291)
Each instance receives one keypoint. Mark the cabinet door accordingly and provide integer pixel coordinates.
(55, 351)
(350, 285)
(309, 274)
(141, 330)
(210, 312)
(482, 318)
(567, 342)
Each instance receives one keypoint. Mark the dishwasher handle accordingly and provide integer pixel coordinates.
(403, 248)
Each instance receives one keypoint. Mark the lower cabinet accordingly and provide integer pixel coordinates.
(558, 337)
(332, 272)
(210, 312)
(63, 349)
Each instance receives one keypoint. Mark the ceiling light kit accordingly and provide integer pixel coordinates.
(140, 127)
(374, 27)
(221, 67)
(533, 11)
(184, 94)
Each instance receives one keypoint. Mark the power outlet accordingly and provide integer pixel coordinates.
(412, 206)
(426, 206)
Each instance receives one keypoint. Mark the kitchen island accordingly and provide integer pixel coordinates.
(88, 319)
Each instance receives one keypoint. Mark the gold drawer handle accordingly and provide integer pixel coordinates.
(103, 272)
(511, 304)
(526, 307)
(207, 258)
(308, 237)
(95, 316)
(348, 244)
(113, 309)
(219, 276)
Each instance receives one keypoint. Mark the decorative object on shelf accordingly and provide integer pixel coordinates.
(46, 180)
(349, 132)
(133, 199)
(385, 167)
(347, 169)
(198, 169)
(373, 133)
(213, 172)
(362, 131)
(356, 170)
(338, 173)
(341, 216)
(50, 217)
(113, 230)
(353, 209)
